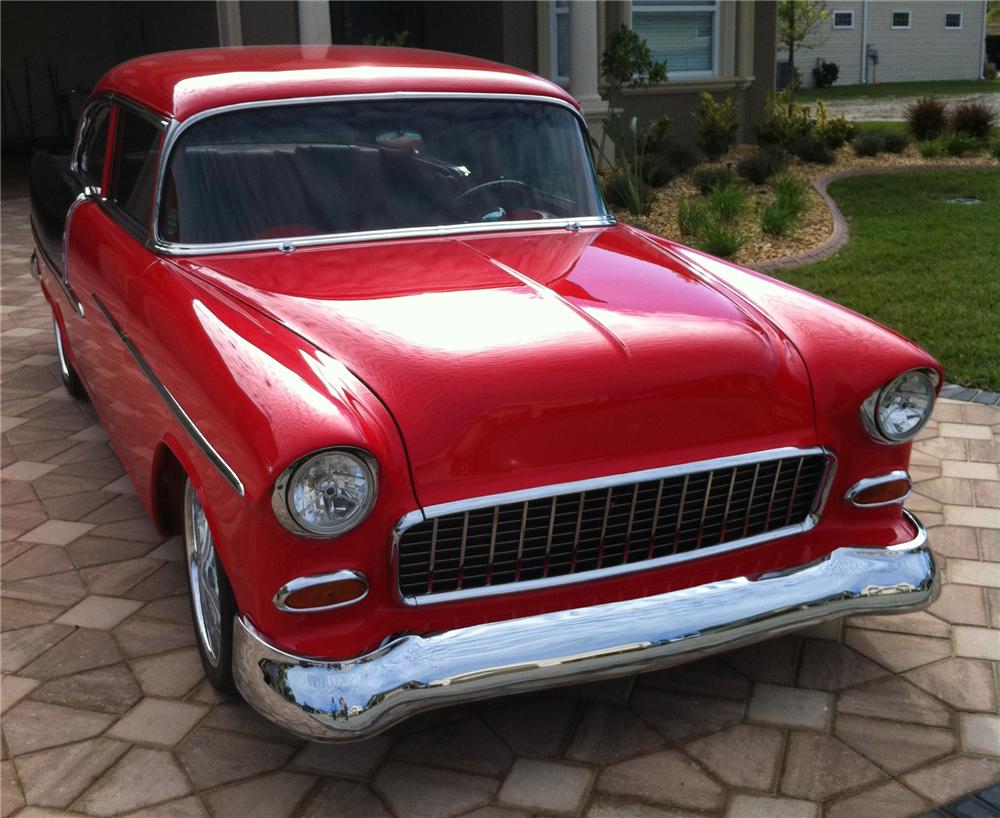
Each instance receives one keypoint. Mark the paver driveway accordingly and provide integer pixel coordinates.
(105, 711)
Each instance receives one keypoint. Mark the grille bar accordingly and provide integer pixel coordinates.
(597, 528)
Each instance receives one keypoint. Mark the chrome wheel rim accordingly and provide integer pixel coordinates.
(63, 363)
(204, 575)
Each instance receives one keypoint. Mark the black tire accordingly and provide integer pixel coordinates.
(71, 381)
(217, 660)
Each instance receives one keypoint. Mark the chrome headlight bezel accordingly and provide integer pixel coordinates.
(282, 505)
(870, 408)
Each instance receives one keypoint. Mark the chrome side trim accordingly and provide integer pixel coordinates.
(60, 351)
(56, 271)
(279, 494)
(175, 129)
(301, 583)
(870, 482)
(523, 496)
(175, 408)
(341, 700)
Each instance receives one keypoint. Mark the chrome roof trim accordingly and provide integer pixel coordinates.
(430, 512)
(176, 128)
(175, 408)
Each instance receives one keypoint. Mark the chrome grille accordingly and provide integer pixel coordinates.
(611, 527)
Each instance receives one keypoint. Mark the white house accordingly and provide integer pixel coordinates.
(905, 41)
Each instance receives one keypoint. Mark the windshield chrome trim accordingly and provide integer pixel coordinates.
(175, 129)
(442, 509)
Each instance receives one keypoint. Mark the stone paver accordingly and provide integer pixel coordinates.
(106, 711)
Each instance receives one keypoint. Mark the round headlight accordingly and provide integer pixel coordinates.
(901, 408)
(327, 493)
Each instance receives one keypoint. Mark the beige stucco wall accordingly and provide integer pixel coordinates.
(925, 51)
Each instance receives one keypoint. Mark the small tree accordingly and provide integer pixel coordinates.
(628, 61)
(800, 25)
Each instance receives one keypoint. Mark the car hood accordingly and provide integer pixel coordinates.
(517, 360)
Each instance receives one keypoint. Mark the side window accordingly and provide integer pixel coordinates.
(137, 150)
(95, 143)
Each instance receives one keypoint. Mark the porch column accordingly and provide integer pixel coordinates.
(230, 24)
(584, 63)
(314, 22)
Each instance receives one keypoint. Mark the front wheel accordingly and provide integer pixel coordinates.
(71, 381)
(212, 603)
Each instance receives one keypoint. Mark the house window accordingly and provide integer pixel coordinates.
(953, 20)
(901, 19)
(559, 29)
(685, 34)
(843, 19)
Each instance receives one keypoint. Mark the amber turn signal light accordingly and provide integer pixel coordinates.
(322, 593)
(881, 492)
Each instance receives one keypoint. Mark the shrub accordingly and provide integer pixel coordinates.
(869, 144)
(836, 132)
(708, 179)
(812, 148)
(665, 158)
(691, 217)
(785, 120)
(658, 172)
(974, 119)
(995, 148)
(718, 123)
(620, 190)
(628, 61)
(720, 239)
(926, 118)
(959, 144)
(825, 73)
(790, 192)
(989, 71)
(931, 149)
(628, 187)
(895, 142)
(762, 164)
(777, 220)
(728, 203)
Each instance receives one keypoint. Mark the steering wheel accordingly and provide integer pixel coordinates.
(466, 199)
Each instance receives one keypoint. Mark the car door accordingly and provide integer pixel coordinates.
(107, 253)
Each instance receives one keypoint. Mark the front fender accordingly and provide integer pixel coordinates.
(263, 397)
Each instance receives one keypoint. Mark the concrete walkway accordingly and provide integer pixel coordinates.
(871, 109)
(106, 712)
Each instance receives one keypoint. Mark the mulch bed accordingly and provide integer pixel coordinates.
(815, 226)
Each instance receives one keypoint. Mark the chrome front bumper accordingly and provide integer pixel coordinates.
(357, 698)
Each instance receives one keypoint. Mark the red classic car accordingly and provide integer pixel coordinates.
(433, 426)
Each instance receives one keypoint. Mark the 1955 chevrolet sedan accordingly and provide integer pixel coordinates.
(432, 425)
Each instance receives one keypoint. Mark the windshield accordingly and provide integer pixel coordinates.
(283, 171)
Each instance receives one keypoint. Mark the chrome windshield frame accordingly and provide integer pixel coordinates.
(176, 129)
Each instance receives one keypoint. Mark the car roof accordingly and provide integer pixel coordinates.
(180, 84)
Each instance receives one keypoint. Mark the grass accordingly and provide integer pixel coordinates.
(927, 269)
(899, 89)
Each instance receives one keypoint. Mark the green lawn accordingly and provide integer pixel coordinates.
(927, 269)
(899, 89)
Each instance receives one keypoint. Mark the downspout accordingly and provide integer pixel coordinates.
(982, 51)
(864, 42)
